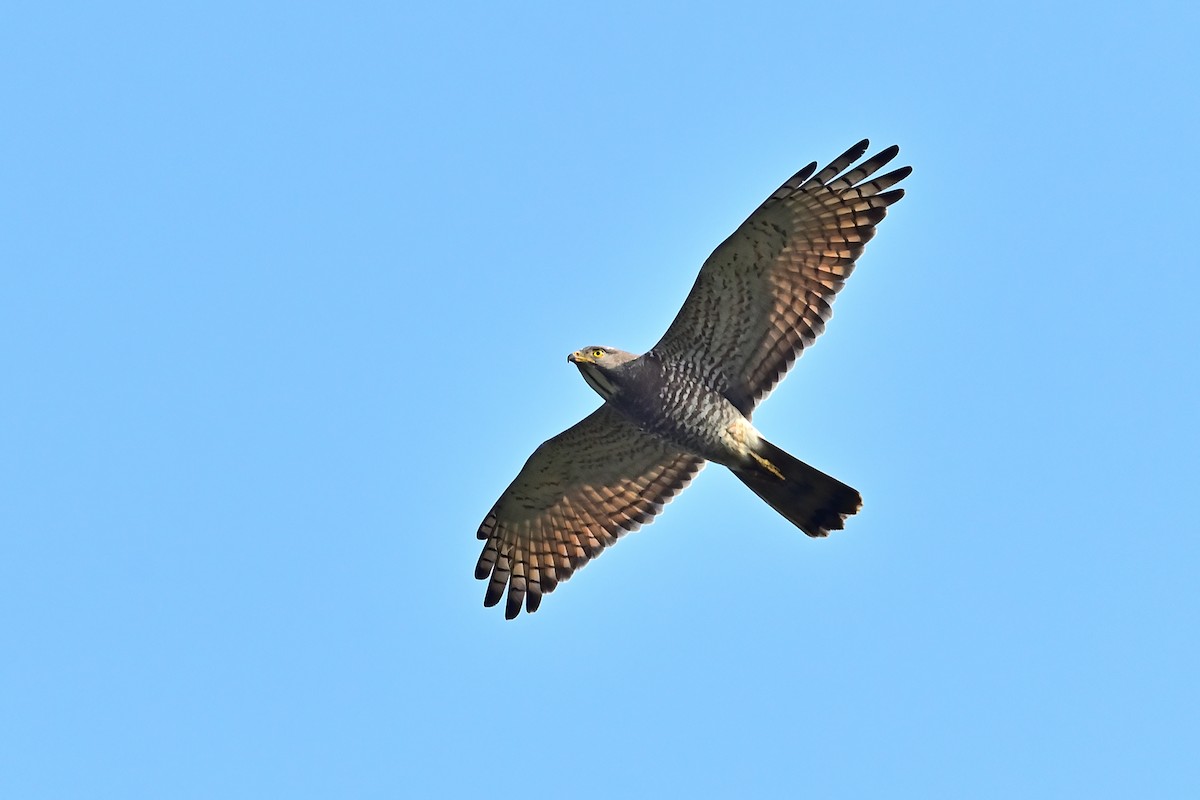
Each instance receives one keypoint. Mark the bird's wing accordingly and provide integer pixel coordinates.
(765, 292)
(575, 496)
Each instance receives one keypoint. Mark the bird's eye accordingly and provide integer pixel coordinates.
(597, 353)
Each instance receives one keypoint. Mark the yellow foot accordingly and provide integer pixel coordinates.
(768, 466)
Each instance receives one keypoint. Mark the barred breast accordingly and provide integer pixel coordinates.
(667, 400)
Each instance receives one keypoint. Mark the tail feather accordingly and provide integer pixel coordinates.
(809, 499)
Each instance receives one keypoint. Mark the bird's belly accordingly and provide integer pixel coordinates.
(698, 420)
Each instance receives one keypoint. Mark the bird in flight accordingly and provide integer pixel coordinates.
(761, 298)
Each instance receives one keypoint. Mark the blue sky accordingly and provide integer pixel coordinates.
(285, 295)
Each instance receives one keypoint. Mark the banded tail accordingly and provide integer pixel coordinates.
(809, 499)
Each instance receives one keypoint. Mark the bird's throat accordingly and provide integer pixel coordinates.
(597, 380)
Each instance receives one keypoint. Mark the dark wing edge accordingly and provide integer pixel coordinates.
(576, 495)
(780, 271)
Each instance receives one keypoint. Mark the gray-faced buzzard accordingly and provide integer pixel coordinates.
(760, 299)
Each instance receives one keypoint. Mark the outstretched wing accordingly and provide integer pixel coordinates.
(765, 292)
(575, 496)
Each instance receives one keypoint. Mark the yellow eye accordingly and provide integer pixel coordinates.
(597, 353)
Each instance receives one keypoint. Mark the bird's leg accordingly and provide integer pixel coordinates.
(767, 465)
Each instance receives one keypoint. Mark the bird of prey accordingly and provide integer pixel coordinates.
(760, 299)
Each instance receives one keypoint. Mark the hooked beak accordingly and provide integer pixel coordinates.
(579, 358)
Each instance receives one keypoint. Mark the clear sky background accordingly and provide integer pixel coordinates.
(285, 296)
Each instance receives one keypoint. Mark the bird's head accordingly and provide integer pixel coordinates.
(597, 364)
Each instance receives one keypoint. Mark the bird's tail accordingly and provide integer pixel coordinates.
(811, 500)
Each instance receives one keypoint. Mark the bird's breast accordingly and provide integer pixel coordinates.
(676, 406)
